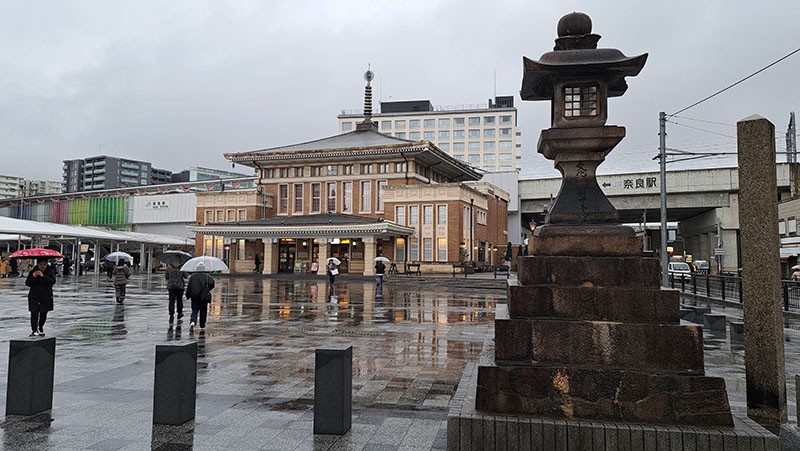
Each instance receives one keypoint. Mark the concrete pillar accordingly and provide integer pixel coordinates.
(270, 263)
(175, 386)
(141, 258)
(333, 389)
(31, 367)
(761, 276)
(370, 252)
(324, 252)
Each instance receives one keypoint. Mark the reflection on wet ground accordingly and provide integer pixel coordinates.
(411, 339)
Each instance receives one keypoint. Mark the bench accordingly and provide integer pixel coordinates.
(466, 269)
(413, 268)
(502, 269)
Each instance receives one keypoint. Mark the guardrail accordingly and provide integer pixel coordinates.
(729, 288)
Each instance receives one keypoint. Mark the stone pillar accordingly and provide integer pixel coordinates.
(324, 252)
(333, 389)
(761, 277)
(31, 366)
(270, 263)
(370, 252)
(175, 386)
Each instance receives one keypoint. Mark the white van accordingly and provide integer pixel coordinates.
(679, 270)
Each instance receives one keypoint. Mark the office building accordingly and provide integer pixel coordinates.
(485, 136)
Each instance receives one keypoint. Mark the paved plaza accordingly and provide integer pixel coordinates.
(411, 342)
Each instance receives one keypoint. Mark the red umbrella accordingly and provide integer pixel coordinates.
(36, 252)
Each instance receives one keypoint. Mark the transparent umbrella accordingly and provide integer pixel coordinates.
(204, 263)
(335, 261)
(117, 256)
(381, 259)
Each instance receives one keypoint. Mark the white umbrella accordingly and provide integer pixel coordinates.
(795, 267)
(381, 259)
(204, 263)
(117, 256)
(335, 261)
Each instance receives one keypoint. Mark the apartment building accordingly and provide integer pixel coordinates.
(485, 136)
(10, 186)
(106, 172)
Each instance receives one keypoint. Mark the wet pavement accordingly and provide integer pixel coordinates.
(411, 341)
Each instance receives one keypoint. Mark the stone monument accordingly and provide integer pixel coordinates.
(590, 334)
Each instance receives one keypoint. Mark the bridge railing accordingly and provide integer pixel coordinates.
(729, 288)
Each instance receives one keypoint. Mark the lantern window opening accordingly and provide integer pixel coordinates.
(580, 101)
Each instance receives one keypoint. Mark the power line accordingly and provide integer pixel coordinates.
(704, 121)
(702, 130)
(740, 81)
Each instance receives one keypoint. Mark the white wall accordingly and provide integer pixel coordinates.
(164, 208)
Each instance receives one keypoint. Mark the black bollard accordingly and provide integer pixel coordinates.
(175, 386)
(333, 389)
(31, 367)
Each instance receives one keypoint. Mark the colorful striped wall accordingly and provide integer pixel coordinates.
(107, 211)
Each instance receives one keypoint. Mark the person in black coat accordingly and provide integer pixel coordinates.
(198, 289)
(40, 297)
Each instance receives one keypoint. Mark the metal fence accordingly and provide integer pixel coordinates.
(729, 288)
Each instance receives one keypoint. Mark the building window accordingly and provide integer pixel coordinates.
(445, 146)
(441, 249)
(331, 196)
(381, 186)
(458, 134)
(268, 173)
(458, 147)
(427, 214)
(781, 227)
(430, 123)
(400, 215)
(505, 132)
(430, 136)
(347, 169)
(283, 199)
(401, 135)
(386, 125)
(474, 145)
(474, 133)
(505, 145)
(413, 215)
(400, 125)
(383, 168)
(488, 120)
(400, 167)
(298, 172)
(505, 120)
(298, 198)
(480, 217)
(347, 199)
(488, 158)
(504, 158)
(240, 248)
(458, 121)
(580, 101)
(489, 133)
(347, 126)
(317, 171)
(474, 158)
(444, 134)
(231, 215)
(413, 124)
(413, 249)
(473, 121)
(488, 145)
(242, 215)
(316, 202)
(441, 214)
(209, 217)
(414, 136)
(792, 226)
(366, 196)
(427, 249)
(444, 123)
(399, 249)
(284, 172)
(366, 169)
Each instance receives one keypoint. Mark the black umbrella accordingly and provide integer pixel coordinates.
(174, 258)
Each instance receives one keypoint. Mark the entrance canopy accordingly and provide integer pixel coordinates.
(307, 226)
(15, 227)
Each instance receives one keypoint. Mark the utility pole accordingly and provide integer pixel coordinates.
(662, 157)
(791, 140)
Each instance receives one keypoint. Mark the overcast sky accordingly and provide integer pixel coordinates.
(179, 83)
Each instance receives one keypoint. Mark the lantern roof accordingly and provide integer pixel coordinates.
(576, 56)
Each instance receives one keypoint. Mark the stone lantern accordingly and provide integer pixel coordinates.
(578, 78)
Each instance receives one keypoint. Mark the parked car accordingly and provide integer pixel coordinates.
(679, 270)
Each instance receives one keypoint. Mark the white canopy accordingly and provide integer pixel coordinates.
(51, 230)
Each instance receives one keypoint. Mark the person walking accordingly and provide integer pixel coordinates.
(258, 264)
(5, 267)
(175, 286)
(380, 270)
(333, 270)
(109, 267)
(198, 289)
(120, 277)
(40, 297)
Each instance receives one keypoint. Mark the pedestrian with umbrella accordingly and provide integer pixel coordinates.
(332, 265)
(40, 296)
(380, 269)
(796, 272)
(198, 289)
(121, 274)
(175, 280)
